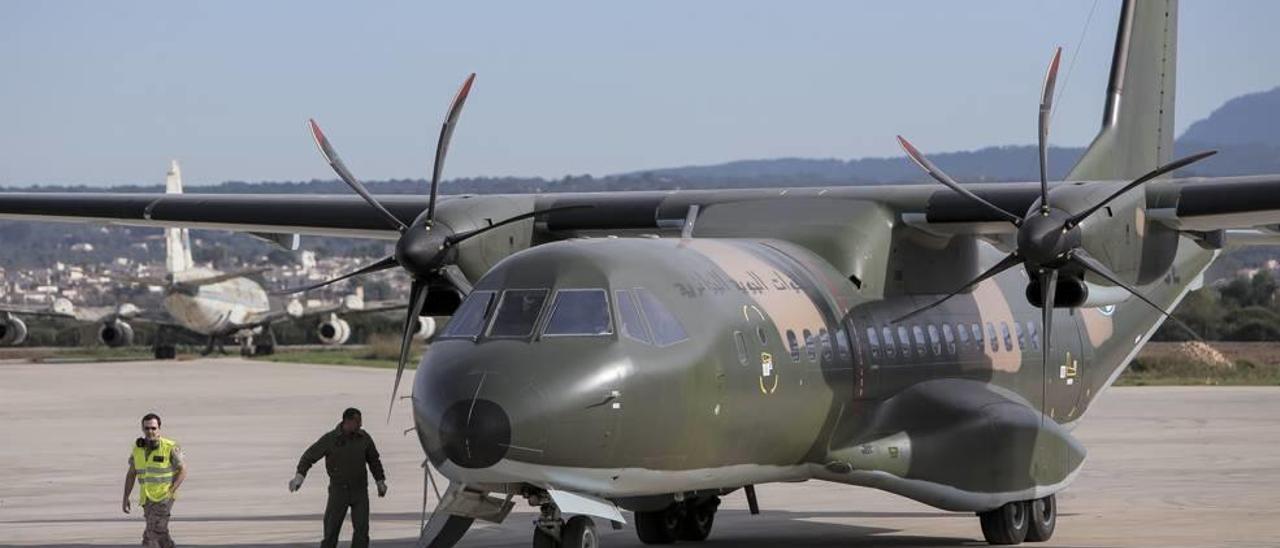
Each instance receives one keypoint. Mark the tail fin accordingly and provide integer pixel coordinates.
(177, 241)
(1137, 124)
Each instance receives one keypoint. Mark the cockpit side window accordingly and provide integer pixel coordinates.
(580, 312)
(517, 313)
(666, 328)
(630, 322)
(470, 318)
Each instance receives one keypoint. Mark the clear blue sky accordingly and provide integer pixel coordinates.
(106, 92)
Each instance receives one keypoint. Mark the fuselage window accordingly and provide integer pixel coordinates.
(630, 322)
(582, 312)
(874, 341)
(793, 345)
(934, 342)
(904, 341)
(950, 338)
(517, 313)
(842, 343)
(920, 344)
(1033, 335)
(888, 342)
(991, 336)
(824, 338)
(810, 346)
(468, 321)
(964, 335)
(740, 342)
(666, 328)
(978, 341)
(1008, 337)
(1022, 336)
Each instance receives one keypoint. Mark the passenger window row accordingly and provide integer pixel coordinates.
(933, 341)
(813, 344)
(514, 314)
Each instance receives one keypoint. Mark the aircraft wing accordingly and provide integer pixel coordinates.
(44, 312)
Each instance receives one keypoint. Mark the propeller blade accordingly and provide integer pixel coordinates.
(1048, 290)
(1171, 166)
(463, 236)
(1088, 262)
(417, 297)
(457, 279)
(442, 142)
(945, 179)
(1046, 107)
(382, 264)
(1011, 260)
(331, 156)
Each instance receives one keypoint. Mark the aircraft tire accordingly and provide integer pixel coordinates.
(579, 532)
(699, 516)
(1007, 524)
(166, 353)
(660, 527)
(264, 350)
(543, 540)
(1043, 519)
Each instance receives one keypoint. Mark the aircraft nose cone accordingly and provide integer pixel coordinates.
(475, 433)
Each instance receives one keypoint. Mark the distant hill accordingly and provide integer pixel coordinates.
(1252, 119)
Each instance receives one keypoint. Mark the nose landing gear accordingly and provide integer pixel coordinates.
(552, 531)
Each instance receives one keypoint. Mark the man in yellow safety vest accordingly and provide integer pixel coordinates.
(156, 464)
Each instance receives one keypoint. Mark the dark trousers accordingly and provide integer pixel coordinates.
(342, 497)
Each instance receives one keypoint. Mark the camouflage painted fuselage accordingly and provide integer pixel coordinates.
(790, 371)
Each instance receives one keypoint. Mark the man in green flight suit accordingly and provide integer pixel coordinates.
(346, 450)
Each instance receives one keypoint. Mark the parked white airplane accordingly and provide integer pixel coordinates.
(206, 302)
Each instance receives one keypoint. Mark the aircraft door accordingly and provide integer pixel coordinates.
(1066, 375)
(759, 357)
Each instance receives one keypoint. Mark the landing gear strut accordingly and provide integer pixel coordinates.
(1018, 521)
(552, 531)
(690, 519)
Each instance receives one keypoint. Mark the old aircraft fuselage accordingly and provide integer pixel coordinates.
(627, 367)
(215, 308)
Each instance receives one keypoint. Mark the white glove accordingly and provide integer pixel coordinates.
(382, 488)
(296, 482)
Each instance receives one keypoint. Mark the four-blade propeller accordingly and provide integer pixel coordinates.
(426, 251)
(1048, 238)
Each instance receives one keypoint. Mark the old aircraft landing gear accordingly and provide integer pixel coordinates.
(1015, 522)
(552, 531)
(690, 519)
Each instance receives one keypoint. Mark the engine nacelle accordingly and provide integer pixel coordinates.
(1075, 293)
(12, 331)
(115, 334)
(424, 327)
(333, 331)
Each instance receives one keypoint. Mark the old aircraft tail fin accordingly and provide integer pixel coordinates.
(177, 241)
(1137, 122)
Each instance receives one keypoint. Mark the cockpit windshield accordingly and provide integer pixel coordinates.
(582, 312)
(517, 313)
(468, 321)
(666, 328)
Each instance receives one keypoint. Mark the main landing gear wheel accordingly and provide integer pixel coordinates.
(689, 520)
(699, 516)
(579, 532)
(659, 527)
(1043, 519)
(1007, 524)
(166, 352)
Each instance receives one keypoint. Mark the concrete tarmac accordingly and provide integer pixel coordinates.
(1194, 467)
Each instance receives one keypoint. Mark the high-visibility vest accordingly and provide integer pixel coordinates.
(155, 471)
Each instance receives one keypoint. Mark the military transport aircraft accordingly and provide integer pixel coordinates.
(205, 303)
(654, 351)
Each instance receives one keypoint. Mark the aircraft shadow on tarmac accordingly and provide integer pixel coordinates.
(733, 528)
